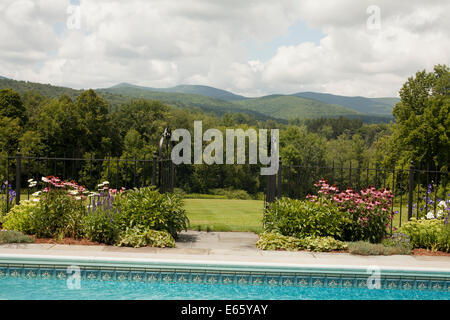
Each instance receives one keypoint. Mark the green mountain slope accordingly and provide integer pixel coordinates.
(289, 107)
(276, 107)
(189, 89)
(184, 100)
(51, 91)
(44, 89)
(373, 106)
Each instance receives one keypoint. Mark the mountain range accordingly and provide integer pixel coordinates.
(276, 106)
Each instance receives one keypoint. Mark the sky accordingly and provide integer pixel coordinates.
(253, 48)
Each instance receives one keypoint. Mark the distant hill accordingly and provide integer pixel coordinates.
(289, 107)
(275, 107)
(47, 90)
(51, 91)
(1, 77)
(123, 93)
(373, 106)
(189, 89)
(183, 100)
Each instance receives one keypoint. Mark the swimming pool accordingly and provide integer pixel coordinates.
(35, 277)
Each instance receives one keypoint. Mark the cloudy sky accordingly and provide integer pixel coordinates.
(252, 47)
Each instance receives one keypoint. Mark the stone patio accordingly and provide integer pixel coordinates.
(235, 247)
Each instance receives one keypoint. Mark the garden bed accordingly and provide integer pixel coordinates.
(69, 241)
(425, 252)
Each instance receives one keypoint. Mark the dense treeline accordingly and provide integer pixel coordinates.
(86, 126)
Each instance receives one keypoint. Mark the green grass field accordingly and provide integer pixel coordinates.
(225, 214)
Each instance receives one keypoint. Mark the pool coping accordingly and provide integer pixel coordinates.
(216, 266)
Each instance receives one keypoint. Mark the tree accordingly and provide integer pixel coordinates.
(11, 106)
(422, 129)
(59, 127)
(299, 146)
(10, 131)
(92, 111)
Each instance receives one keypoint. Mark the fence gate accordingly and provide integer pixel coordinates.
(164, 164)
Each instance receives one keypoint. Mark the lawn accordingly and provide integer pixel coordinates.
(225, 214)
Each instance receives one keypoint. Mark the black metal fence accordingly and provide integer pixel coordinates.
(17, 171)
(417, 191)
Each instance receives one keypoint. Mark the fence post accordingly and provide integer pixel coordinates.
(18, 174)
(7, 184)
(410, 189)
(154, 168)
(172, 176)
(279, 178)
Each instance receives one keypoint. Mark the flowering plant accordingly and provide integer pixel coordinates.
(61, 206)
(7, 196)
(369, 209)
(432, 209)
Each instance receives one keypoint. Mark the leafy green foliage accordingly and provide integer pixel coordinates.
(20, 218)
(368, 210)
(301, 218)
(276, 241)
(146, 208)
(428, 234)
(232, 194)
(11, 106)
(99, 226)
(422, 129)
(323, 244)
(59, 215)
(9, 236)
(136, 237)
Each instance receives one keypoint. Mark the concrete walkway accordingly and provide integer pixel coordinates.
(234, 247)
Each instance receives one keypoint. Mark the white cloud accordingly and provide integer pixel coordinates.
(165, 43)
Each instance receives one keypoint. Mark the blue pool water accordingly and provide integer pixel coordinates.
(54, 289)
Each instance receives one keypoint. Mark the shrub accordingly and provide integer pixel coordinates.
(136, 237)
(431, 234)
(232, 193)
(100, 223)
(146, 208)
(58, 215)
(397, 239)
(372, 249)
(276, 241)
(369, 210)
(100, 227)
(366, 248)
(430, 209)
(304, 218)
(10, 236)
(20, 218)
(323, 244)
(61, 209)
